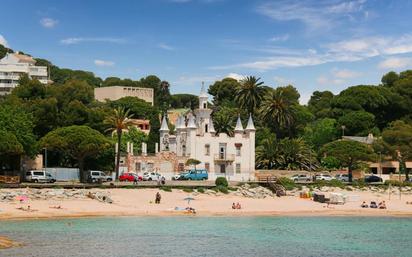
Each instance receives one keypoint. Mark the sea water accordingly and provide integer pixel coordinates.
(211, 236)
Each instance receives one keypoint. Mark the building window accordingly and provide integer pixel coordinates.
(237, 168)
(204, 105)
(206, 128)
(207, 150)
(238, 149)
(207, 166)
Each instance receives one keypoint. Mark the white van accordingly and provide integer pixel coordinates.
(96, 175)
(37, 176)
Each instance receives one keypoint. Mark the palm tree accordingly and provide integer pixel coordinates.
(223, 123)
(249, 93)
(297, 155)
(120, 120)
(267, 154)
(278, 109)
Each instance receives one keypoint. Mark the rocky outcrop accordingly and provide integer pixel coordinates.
(258, 192)
(8, 195)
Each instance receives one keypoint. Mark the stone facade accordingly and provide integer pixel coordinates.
(116, 92)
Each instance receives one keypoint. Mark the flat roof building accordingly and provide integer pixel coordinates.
(116, 92)
(14, 65)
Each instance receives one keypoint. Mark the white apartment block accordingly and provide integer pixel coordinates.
(114, 93)
(13, 66)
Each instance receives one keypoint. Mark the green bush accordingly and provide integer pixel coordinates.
(222, 189)
(360, 183)
(200, 190)
(188, 190)
(287, 183)
(166, 189)
(397, 183)
(221, 181)
(232, 188)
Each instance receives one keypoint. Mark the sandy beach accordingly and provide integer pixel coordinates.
(140, 202)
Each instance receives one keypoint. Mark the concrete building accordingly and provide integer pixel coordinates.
(142, 125)
(195, 137)
(116, 92)
(14, 65)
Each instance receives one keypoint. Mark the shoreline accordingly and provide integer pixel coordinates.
(139, 203)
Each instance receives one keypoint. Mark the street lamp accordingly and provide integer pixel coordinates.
(45, 159)
(343, 130)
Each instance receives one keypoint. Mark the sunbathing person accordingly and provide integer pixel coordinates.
(233, 206)
(238, 206)
(382, 205)
(373, 205)
(364, 205)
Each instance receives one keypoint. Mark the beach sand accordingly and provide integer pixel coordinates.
(140, 202)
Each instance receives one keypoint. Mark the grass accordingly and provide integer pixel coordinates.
(166, 188)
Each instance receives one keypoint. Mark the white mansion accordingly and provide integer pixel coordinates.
(13, 66)
(195, 137)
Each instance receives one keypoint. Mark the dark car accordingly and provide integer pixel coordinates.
(373, 179)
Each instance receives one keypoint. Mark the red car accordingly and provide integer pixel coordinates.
(130, 177)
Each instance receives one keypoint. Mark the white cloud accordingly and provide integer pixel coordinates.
(195, 80)
(236, 76)
(165, 47)
(282, 81)
(78, 40)
(3, 41)
(355, 49)
(315, 14)
(103, 63)
(48, 22)
(395, 63)
(345, 74)
(279, 38)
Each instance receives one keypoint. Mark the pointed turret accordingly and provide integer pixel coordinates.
(239, 126)
(164, 126)
(203, 93)
(192, 123)
(180, 123)
(250, 126)
(211, 127)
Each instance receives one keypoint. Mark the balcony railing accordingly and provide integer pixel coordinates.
(224, 157)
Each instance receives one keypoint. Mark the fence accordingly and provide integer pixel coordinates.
(64, 174)
(10, 179)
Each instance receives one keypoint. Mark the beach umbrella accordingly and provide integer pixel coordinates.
(188, 199)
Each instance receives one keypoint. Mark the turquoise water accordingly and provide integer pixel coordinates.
(211, 236)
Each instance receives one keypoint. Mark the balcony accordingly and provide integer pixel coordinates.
(224, 157)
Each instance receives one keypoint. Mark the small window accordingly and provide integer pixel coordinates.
(237, 168)
(206, 128)
(28, 173)
(207, 150)
(95, 173)
(238, 150)
(38, 173)
(204, 105)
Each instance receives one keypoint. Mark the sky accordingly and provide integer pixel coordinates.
(311, 44)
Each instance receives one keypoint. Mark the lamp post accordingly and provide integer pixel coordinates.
(343, 130)
(45, 159)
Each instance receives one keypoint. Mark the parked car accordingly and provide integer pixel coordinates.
(179, 176)
(130, 177)
(342, 177)
(96, 175)
(196, 175)
(149, 176)
(373, 179)
(38, 176)
(301, 178)
(324, 177)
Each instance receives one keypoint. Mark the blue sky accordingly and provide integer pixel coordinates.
(311, 44)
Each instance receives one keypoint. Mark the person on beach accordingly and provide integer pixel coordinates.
(233, 206)
(238, 206)
(382, 205)
(158, 198)
(373, 205)
(364, 205)
(135, 181)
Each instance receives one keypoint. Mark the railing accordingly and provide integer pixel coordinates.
(224, 157)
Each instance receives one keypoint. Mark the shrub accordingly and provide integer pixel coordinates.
(188, 190)
(232, 188)
(360, 183)
(200, 190)
(394, 183)
(166, 189)
(287, 183)
(221, 181)
(222, 189)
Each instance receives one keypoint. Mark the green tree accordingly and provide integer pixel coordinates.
(320, 104)
(351, 154)
(295, 154)
(178, 101)
(397, 140)
(321, 132)
(118, 121)
(249, 93)
(277, 110)
(10, 151)
(193, 162)
(268, 153)
(222, 91)
(135, 136)
(357, 123)
(77, 142)
(224, 119)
